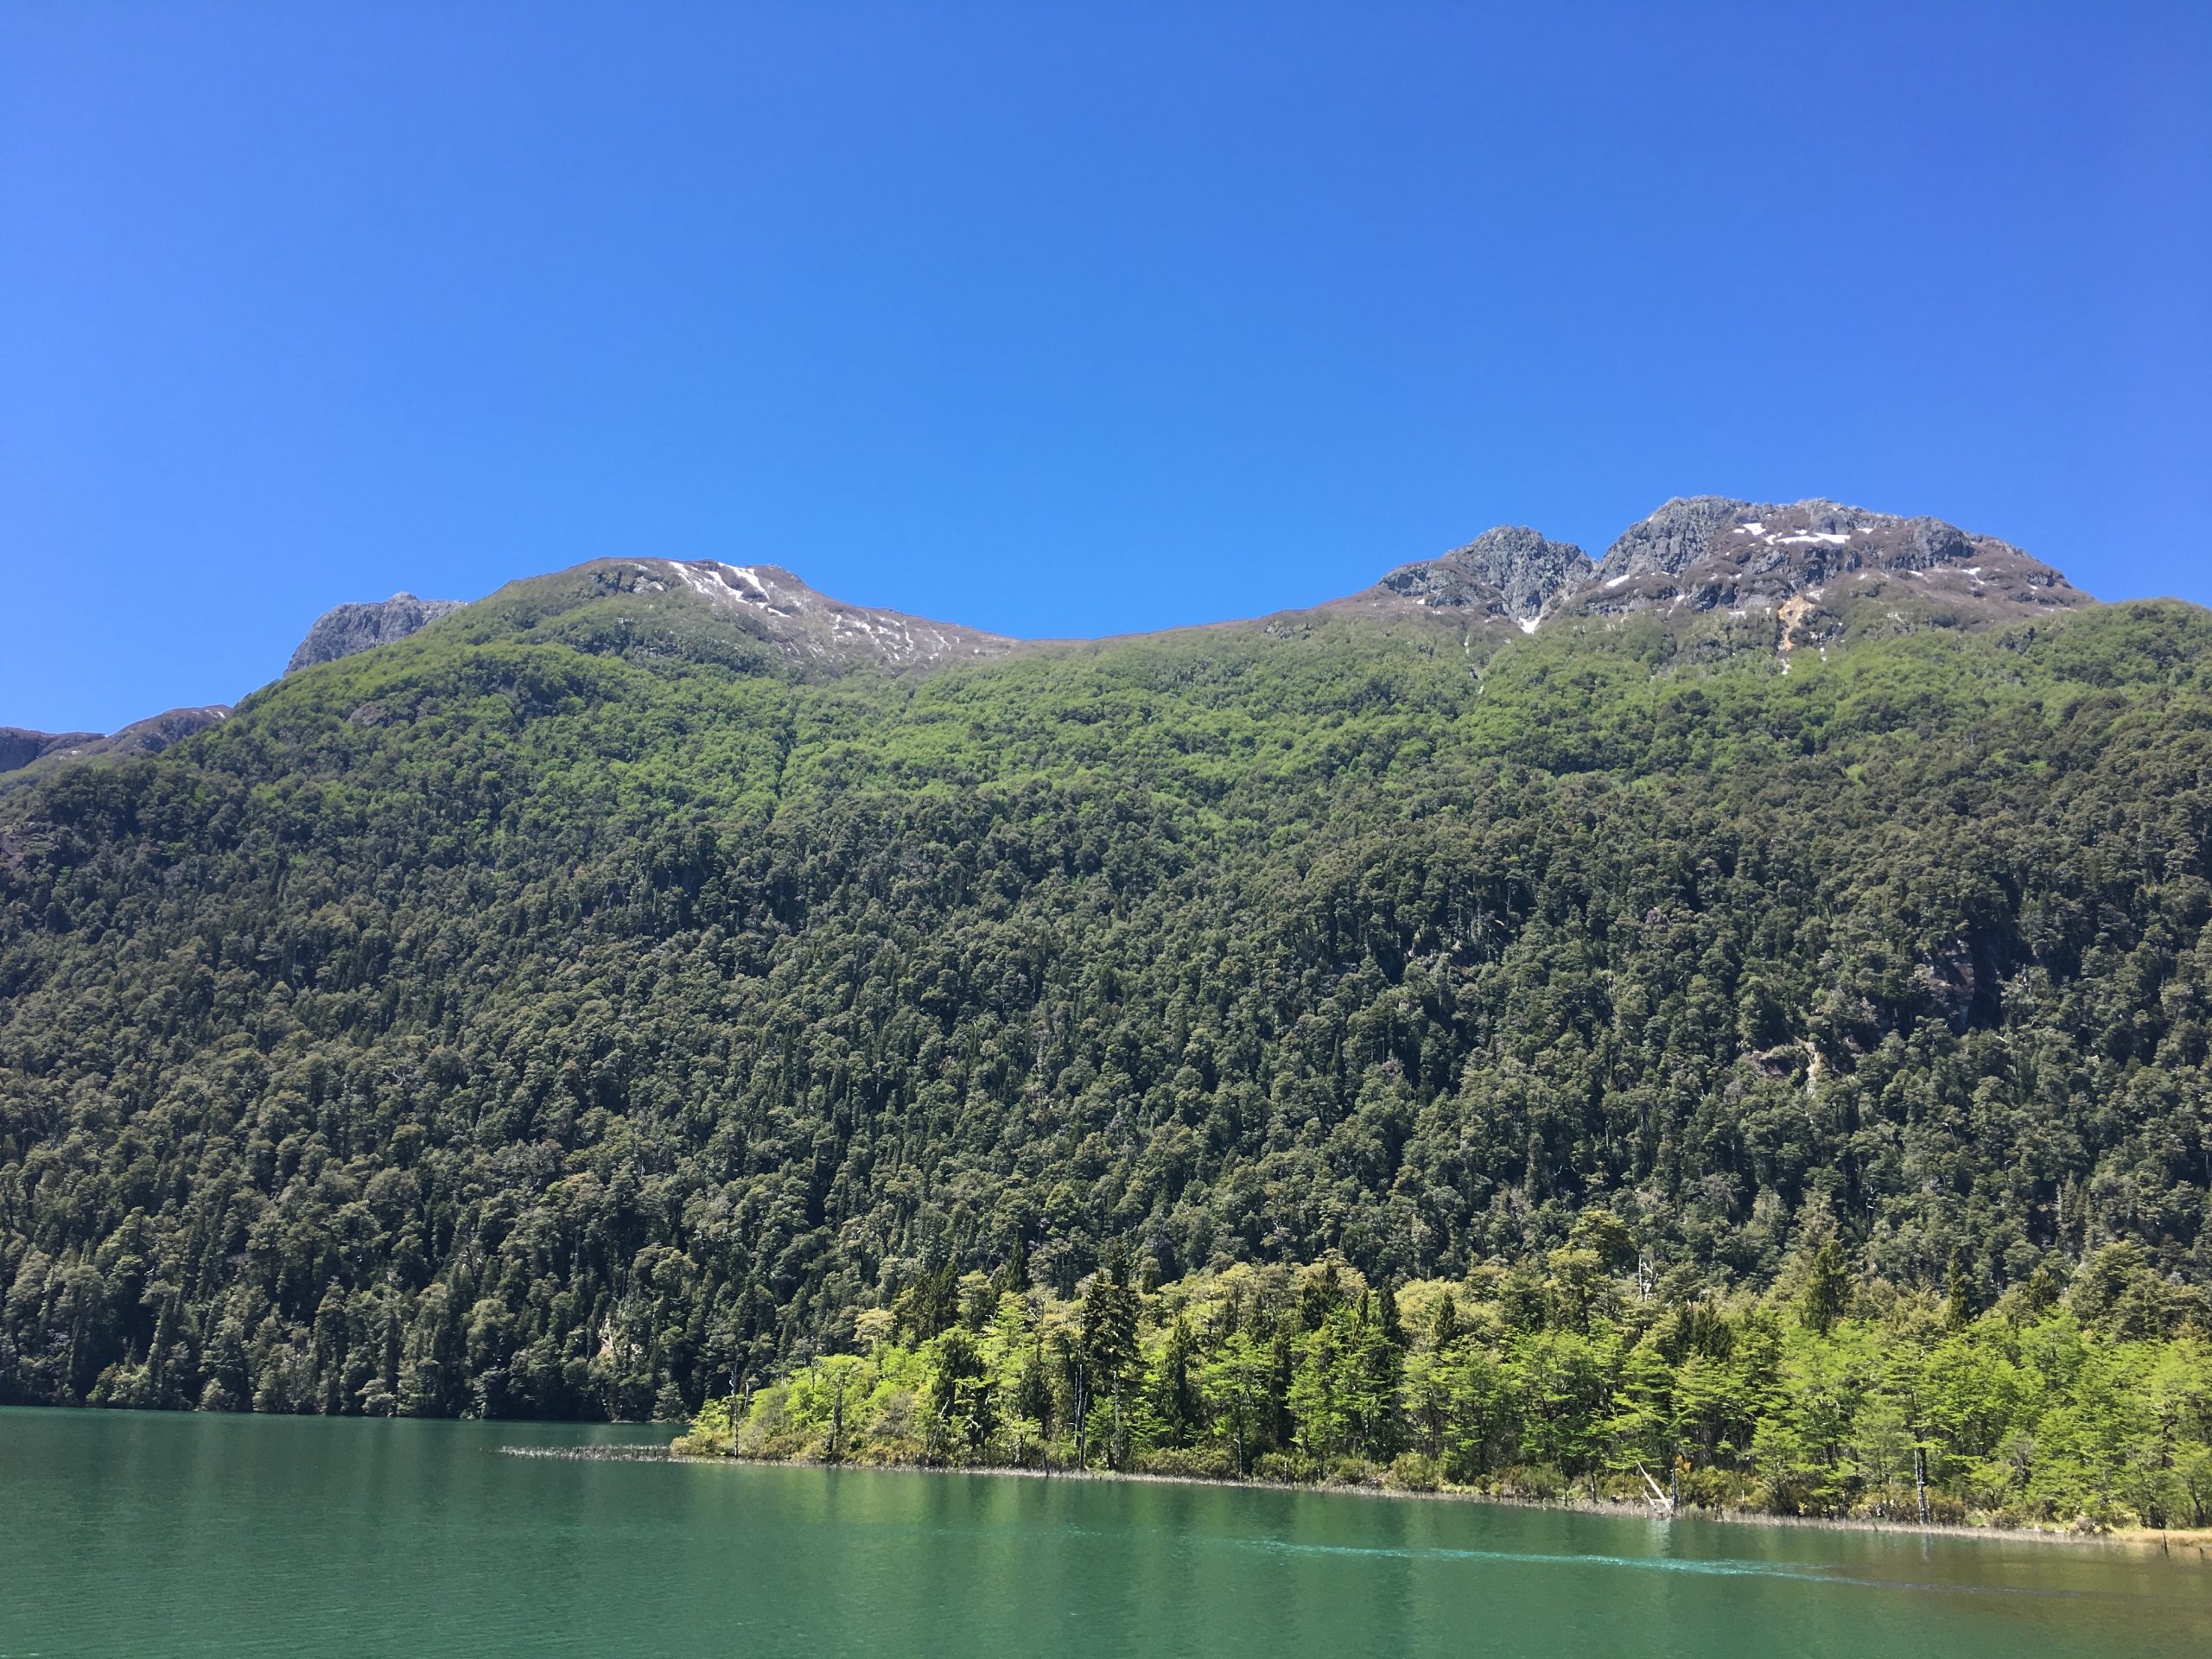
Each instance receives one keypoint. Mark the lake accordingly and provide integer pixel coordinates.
(153, 1535)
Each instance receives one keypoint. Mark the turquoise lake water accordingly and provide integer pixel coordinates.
(128, 1533)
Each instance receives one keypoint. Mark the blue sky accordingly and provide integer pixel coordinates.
(1058, 319)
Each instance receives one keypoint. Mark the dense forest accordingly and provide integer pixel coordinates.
(1571, 1376)
(569, 1011)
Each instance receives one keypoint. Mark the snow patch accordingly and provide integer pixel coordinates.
(699, 581)
(1528, 623)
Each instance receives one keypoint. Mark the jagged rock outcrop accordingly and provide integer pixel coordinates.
(1711, 553)
(1820, 568)
(346, 629)
(1509, 573)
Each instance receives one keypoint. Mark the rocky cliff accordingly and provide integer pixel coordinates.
(1816, 567)
(1507, 575)
(346, 629)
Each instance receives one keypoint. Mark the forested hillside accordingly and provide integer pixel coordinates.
(1564, 1376)
(573, 1009)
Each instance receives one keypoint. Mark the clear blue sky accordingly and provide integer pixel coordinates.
(1058, 319)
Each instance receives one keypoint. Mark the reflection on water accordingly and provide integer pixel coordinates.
(168, 1534)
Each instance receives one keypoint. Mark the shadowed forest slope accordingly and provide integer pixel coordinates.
(572, 1008)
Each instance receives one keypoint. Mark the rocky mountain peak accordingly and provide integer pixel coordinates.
(1510, 573)
(1708, 552)
(1690, 529)
(346, 629)
(811, 631)
(1816, 563)
(810, 625)
(1524, 569)
(1676, 535)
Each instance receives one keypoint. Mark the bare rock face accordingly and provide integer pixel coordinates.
(1505, 574)
(1675, 536)
(347, 629)
(1706, 552)
(1818, 569)
(19, 745)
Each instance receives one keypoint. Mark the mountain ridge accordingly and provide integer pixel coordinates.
(26, 754)
(1682, 555)
(347, 629)
(1817, 566)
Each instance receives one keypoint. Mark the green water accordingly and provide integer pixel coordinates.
(123, 1533)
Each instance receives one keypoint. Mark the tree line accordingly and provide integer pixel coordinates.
(1573, 1378)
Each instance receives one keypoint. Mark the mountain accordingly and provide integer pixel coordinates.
(759, 614)
(1820, 568)
(345, 629)
(19, 746)
(1699, 554)
(1815, 571)
(1505, 574)
(616, 988)
(26, 755)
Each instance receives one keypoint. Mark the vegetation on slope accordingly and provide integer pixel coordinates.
(1549, 1379)
(563, 1012)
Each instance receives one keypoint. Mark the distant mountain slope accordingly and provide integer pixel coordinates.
(27, 755)
(756, 612)
(614, 988)
(810, 631)
(19, 745)
(1814, 569)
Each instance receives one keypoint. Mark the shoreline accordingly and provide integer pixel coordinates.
(2182, 1544)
